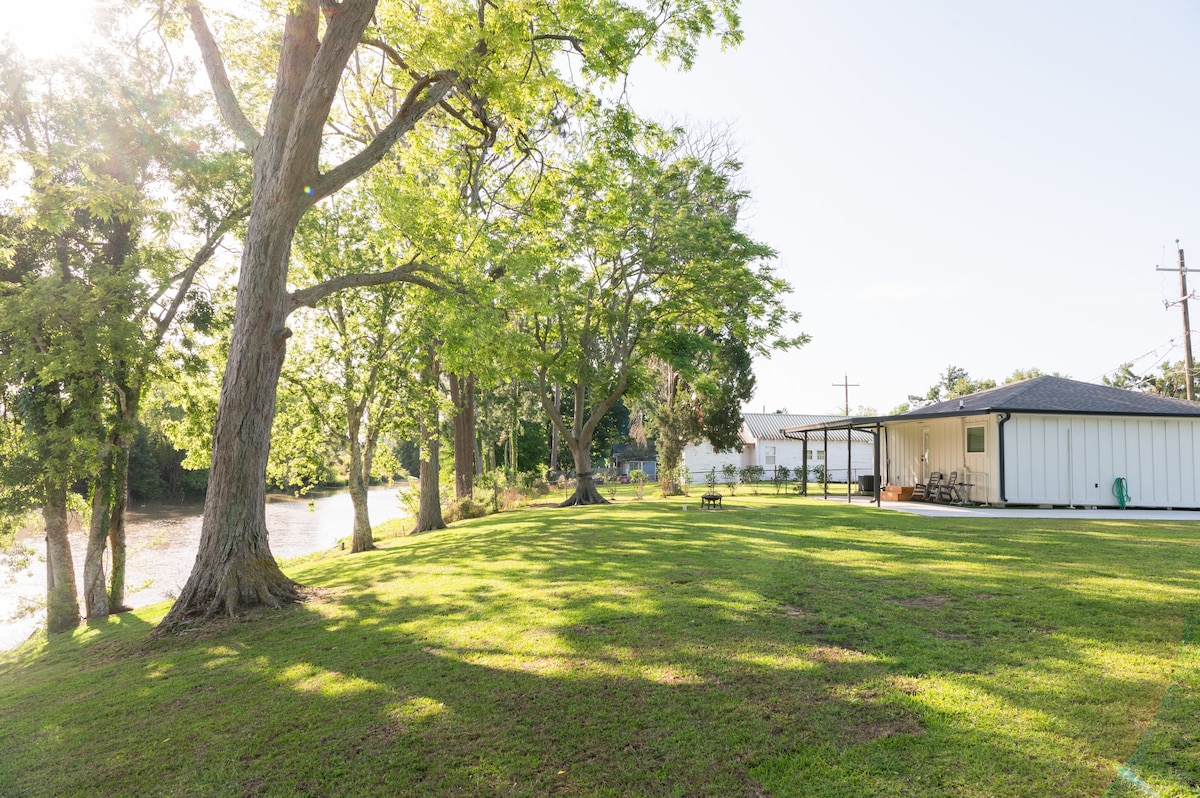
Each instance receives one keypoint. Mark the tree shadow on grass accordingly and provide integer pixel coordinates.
(636, 652)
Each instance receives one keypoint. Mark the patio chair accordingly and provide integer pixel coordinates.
(947, 491)
(926, 491)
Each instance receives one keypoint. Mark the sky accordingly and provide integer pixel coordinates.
(984, 185)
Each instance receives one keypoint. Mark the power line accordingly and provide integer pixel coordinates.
(1170, 346)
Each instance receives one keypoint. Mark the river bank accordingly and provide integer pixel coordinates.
(163, 538)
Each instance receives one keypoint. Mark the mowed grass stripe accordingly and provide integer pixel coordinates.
(778, 647)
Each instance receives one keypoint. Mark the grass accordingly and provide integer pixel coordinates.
(779, 647)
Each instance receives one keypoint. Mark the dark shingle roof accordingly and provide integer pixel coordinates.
(1059, 395)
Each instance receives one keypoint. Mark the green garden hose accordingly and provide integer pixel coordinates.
(1121, 491)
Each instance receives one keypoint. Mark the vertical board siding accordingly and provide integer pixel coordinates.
(1077, 459)
(1145, 463)
(1093, 454)
(1158, 465)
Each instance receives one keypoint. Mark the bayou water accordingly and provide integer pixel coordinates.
(162, 540)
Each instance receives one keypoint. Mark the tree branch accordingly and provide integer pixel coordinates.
(309, 297)
(575, 42)
(185, 278)
(425, 94)
(227, 103)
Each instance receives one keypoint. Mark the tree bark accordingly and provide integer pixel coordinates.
(554, 441)
(579, 441)
(462, 395)
(670, 436)
(585, 481)
(234, 568)
(131, 399)
(62, 598)
(429, 512)
(116, 530)
(95, 587)
(359, 479)
(580, 436)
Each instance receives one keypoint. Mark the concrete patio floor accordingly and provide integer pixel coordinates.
(957, 511)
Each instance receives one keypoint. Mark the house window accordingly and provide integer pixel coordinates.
(770, 455)
(816, 454)
(976, 439)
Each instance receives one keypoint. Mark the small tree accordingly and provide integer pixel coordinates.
(730, 472)
(638, 477)
(818, 473)
(710, 481)
(783, 475)
(752, 475)
(683, 478)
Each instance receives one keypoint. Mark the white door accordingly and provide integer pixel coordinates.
(976, 460)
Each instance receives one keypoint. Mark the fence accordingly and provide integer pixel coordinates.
(816, 474)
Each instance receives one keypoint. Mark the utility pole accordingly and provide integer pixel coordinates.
(845, 383)
(1188, 366)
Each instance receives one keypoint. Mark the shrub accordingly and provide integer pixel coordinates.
(730, 472)
(638, 477)
(752, 475)
(783, 475)
(463, 509)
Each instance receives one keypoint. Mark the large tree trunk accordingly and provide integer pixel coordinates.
(429, 512)
(462, 395)
(131, 400)
(429, 515)
(669, 455)
(234, 568)
(580, 444)
(107, 526)
(95, 585)
(62, 599)
(672, 433)
(116, 530)
(359, 479)
(585, 482)
(580, 436)
(554, 441)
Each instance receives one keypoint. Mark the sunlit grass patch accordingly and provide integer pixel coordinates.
(781, 647)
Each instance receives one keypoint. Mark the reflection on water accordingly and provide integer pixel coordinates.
(162, 540)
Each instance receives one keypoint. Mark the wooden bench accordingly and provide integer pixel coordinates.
(712, 500)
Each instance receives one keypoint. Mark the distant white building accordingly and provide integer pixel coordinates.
(763, 444)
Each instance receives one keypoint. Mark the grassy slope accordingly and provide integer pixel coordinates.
(779, 647)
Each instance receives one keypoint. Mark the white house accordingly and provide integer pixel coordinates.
(1045, 441)
(764, 444)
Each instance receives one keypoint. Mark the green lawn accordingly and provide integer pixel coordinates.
(779, 647)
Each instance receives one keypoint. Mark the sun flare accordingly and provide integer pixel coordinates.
(48, 28)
